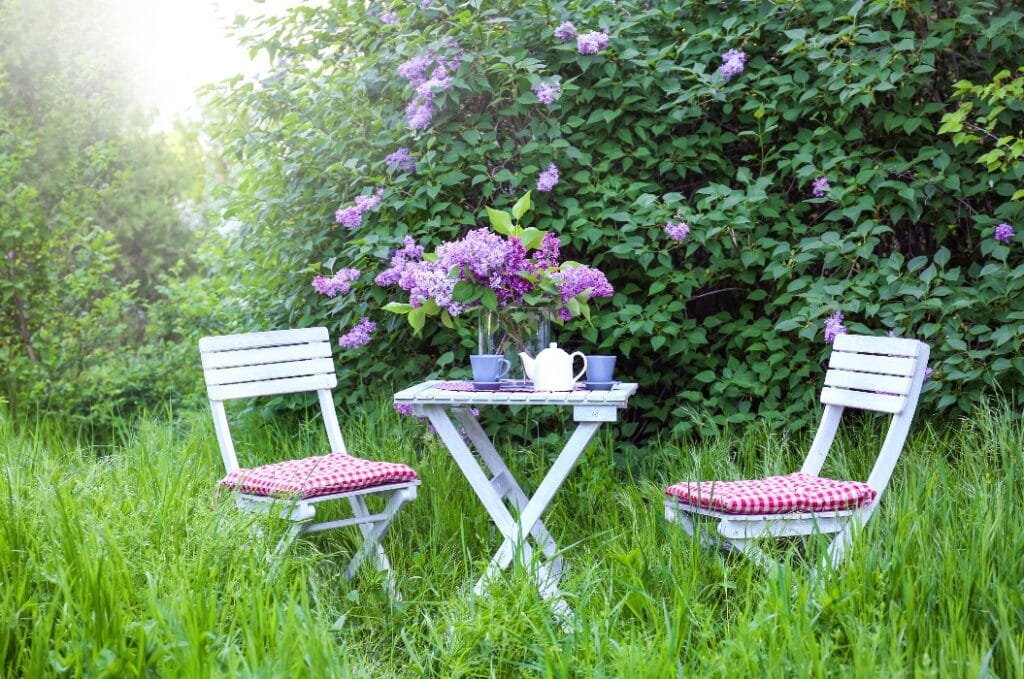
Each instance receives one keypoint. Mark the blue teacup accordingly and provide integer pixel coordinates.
(600, 368)
(489, 367)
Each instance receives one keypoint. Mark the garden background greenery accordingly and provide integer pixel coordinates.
(121, 246)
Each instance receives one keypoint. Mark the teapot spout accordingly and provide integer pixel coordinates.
(527, 364)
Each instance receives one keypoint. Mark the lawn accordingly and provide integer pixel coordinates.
(124, 560)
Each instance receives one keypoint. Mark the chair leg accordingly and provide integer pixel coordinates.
(373, 532)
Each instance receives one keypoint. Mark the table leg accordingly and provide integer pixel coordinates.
(497, 465)
(476, 476)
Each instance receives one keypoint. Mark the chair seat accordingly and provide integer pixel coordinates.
(797, 492)
(315, 476)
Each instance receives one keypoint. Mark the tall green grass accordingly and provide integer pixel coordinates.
(124, 560)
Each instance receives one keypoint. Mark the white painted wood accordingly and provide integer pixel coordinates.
(270, 371)
(493, 491)
(270, 338)
(886, 384)
(885, 346)
(294, 361)
(885, 364)
(285, 354)
(823, 438)
(864, 400)
(293, 385)
(220, 426)
(882, 365)
(595, 414)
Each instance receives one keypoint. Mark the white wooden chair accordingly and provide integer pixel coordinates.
(882, 374)
(296, 361)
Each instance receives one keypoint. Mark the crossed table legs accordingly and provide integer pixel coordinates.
(493, 491)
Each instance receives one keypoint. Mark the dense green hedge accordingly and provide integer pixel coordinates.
(729, 319)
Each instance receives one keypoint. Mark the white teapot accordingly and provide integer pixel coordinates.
(552, 369)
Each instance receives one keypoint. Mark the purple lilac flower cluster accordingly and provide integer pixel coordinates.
(1003, 233)
(351, 217)
(547, 92)
(819, 187)
(401, 160)
(340, 282)
(834, 327)
(420, 111)
(732, 64)
(359, 335)
(408, 253)
(389, 17)
(565, 31)
(592, 42)
(677, 231)
(573, 281)
(548, 179)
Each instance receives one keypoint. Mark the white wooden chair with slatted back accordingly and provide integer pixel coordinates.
(882, 374)
(287, 362)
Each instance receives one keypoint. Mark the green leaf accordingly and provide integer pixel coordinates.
(531, 238)
(465, 291)
(522, 206)
(501, 221)
(398, 307)
(417, 319)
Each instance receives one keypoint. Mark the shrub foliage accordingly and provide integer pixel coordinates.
(646, 131)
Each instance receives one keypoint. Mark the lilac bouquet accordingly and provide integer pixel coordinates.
(507, 269)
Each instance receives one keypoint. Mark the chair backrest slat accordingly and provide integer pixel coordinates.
(266, 363)
(871, 373)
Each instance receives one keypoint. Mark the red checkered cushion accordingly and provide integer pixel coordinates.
(797, 492)
(316, 476)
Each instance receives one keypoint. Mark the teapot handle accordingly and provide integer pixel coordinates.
(580, 373)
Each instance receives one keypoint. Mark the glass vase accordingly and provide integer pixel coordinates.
(510, 331)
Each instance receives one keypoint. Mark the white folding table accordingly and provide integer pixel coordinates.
(590, 410)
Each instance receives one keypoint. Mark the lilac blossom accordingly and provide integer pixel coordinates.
(403, 408)
(359, 335)
(340, 282)
(834, 327)
(548, 179)
(439, 82)
(415, 70)
(565, 31)
(547, 92)
(426, 4)
(677, 231)
(509, 283)
(389, 18)
(819, 187)
(1003, 233)
(409, 252)
(350, 217)
(420, 113)
(401, 160)
(481, 253)
(579, 279)
(732, 64)
(10, 255)
(592, 43)
(549, 252)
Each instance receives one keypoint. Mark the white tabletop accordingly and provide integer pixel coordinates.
(426, 393)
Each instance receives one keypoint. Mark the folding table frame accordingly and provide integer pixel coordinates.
(494, 483)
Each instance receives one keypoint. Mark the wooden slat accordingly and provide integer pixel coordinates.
(880, 365)
(295, 352)
(868, 381)
(884, 346)
(862, 399)
(269, 371)
(226, 392)
(271, 338)
(426, 393)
